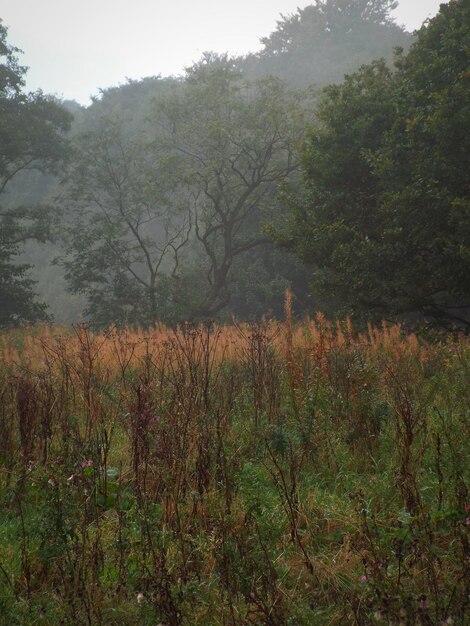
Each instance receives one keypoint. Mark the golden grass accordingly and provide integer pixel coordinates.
(114, 349)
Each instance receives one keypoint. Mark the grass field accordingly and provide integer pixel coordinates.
(271, 474)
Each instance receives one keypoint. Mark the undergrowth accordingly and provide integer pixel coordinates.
(252, 474)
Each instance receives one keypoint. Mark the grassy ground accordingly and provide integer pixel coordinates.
(243, 475)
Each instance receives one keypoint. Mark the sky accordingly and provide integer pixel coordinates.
(75, 47)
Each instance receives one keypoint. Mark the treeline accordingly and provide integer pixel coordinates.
(383, 213)
(208, 195)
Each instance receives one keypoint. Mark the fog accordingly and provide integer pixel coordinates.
(73, 49)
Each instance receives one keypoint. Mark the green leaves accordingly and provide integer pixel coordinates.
(32, 128)
(329, 38)
(236, 141)
(383, 212)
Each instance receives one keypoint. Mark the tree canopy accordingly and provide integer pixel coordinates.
(31, 138)
(236, 141)
(162, 206)
(384, 212)
(171, 181)
(126, 225)
(327, 39)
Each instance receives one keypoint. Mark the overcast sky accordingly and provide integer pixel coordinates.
(74, 47)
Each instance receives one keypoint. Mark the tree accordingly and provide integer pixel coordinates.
(164, 204)
(327, 39)
(425, 166)
(236, 141)
(126, 230)
(32, 128)
(335, 223)
(384, 213)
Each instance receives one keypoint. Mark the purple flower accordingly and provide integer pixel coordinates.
(88, 463)
(363, 580)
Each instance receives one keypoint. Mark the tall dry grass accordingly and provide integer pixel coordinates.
(267, 473)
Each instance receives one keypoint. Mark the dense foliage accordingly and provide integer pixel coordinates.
(327, 39)
(320, 43)
(243, 476)
(31, 138)
(172, 182)
(162, 206)
(384, 215)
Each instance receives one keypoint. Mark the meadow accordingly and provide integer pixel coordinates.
(271, 473)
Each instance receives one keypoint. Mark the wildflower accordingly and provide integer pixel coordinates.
(363, 580)
(88, 463)
(140, 598)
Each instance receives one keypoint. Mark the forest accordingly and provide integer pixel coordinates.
(234, 319)
(206, 196)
